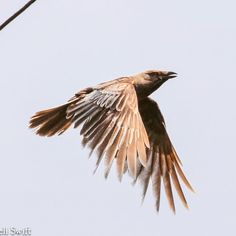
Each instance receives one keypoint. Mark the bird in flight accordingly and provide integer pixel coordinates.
(122, 123)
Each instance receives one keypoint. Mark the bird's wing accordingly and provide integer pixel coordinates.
(112, 125)
(163, 162)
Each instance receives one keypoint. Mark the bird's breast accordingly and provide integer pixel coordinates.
(144, 90)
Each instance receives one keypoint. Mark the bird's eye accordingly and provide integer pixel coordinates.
(147, 77)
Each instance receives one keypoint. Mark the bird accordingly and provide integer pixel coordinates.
(122, 124)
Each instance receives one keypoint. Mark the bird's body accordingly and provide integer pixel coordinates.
(122, 123)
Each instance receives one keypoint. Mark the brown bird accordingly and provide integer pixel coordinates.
(122, 123)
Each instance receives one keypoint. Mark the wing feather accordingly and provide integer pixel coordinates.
(163, 161)
(166, 179)
(122, 153)
(132, 154)
(112, 125)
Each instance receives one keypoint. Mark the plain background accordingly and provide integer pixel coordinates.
(58, 47)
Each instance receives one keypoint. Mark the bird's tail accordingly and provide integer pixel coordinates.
(51, 121)
(55, 120)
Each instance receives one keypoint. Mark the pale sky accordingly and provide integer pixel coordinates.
(56, 48)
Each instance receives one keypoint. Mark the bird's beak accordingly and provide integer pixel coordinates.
(170, 75)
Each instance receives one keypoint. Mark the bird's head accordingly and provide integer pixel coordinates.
(148, 81)
(158, 76)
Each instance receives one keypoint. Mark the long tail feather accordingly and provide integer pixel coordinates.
(50, 122)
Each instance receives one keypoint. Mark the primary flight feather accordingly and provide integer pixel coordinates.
(121, 123)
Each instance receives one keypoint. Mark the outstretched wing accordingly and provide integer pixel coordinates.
(112, 125)
(163, 161)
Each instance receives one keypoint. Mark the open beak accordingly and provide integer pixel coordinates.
(170, 75)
